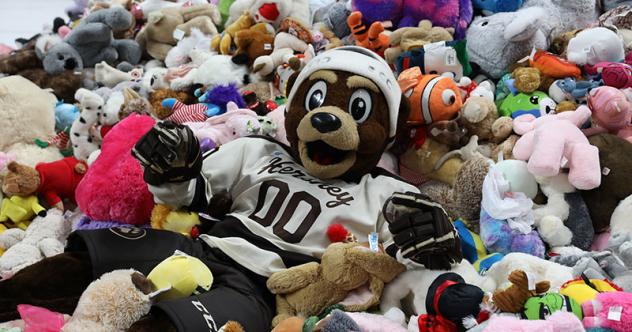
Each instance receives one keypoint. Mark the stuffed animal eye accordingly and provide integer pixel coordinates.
(534, 100)
(360, 105)
(449, 97)
(60, 57)
(316, 96)
(484, 23)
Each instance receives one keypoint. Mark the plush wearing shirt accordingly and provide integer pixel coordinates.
(58, 180)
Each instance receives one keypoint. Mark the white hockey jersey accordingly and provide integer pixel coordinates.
(280, 214)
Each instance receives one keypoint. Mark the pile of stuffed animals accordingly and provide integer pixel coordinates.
(520, 126)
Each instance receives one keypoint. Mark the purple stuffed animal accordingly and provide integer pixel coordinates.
(407, 13)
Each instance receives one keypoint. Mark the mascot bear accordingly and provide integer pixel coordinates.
(344, 110)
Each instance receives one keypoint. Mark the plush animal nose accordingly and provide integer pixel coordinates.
(326, 122)
(70, 64)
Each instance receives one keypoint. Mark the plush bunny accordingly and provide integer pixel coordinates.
(221, 129)
(548, 140)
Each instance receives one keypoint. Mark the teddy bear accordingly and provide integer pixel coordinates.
(55, 181)
(251, 44)
(45, 237)
(292, 37)
(223, 43)
(479, 116)
(614, 157)
(497, 41)
(611, 112)
(112, 303)
(307, 289)
(113, 188)
(158, 36)
(405, 39)
(513, 298)
(92, 42)
(549, 138)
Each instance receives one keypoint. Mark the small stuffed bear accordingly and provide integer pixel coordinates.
(309, 288)
(112, 303)
(406, 39)
(157, 37)
(513, 298)
(55, 181)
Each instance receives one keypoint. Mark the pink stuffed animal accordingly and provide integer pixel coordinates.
(611, 113)
(604, 311)
(113, 189)
(226, 127)
(560, 321)
(615, 74)
(548, 140)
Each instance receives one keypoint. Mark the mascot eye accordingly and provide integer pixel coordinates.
(360, 105)
(60, 57)
(449, 97)
(316, 96)
(534, 100)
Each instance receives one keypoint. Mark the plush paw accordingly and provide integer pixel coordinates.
(553, 232)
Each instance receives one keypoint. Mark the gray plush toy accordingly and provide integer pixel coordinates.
(495, 42)
(92, 42)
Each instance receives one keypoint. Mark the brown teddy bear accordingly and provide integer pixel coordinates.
(157, 37)
(345, 267)
(479, 116)
(252, 43)
(405, 39)
(513, 298)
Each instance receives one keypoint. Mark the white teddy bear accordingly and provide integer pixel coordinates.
(45, 237)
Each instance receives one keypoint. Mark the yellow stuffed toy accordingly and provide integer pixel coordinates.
(180, 276)
(223, 42)
(584, 290)
(21, 210)
(162, 217)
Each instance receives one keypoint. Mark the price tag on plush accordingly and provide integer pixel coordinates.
(178, 34)
(614, 313)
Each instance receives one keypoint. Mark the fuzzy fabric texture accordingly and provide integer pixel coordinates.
(596, 312)
(110, 304)
(560, 321)
(26, 112)
(113, 188)
(497, 41)
(539, 268)
(222, 94)
(217, 69)
(45, 237)
(498, 236)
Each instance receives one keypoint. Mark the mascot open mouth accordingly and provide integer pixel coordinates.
(325, 154)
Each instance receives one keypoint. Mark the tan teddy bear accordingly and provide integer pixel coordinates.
(405, 39)
(345, 267)
(165, 27)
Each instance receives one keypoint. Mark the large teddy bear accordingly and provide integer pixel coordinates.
(92, 42)
(551, 140)
(158, 36)
(497, 41)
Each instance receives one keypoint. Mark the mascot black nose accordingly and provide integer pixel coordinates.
(70, 64)
(326, 122)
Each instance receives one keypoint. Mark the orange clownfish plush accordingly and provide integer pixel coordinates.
(432, 98)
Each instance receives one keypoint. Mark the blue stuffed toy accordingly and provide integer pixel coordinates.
(65, 115)
(489, 7)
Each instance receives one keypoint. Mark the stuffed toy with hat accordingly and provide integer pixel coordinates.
(547, 140)
(615, 158)
(158, 36)
(307, 289)
(55, 181)
(452, 305)
(113, 188)
(611, 113)
(496, 42)
(44, 237)
(92, 42)
(506, 219)
(523, 287)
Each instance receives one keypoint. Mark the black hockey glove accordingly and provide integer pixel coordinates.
(422, 230)
(169, 152)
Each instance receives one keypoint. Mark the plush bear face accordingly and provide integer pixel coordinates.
(62, 57)
(337, 124)
(20, 180)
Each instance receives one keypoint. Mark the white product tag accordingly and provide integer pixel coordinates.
(614, 313)
(605, 171)
(178, 34)
(435, 132)
(387, 24)
(78, 73)
(433, 46)
(267, 46)
(450, 57)
(373, 242)
(531, 281)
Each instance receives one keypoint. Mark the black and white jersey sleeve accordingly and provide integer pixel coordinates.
(280, 214)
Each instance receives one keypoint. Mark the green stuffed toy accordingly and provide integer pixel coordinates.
(542, 306)
(537, 104)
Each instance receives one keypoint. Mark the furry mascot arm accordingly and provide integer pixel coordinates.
(294, 278)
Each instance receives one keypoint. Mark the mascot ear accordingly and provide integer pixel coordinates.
(290, 82)
(402, 136)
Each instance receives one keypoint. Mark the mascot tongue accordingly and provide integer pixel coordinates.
(323, 158)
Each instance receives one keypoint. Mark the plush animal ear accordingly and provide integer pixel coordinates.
(524, 124)
(141, 283)
(525, 25)
(381, 265)
(231, 106)
(291, 81)
(13, 167)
